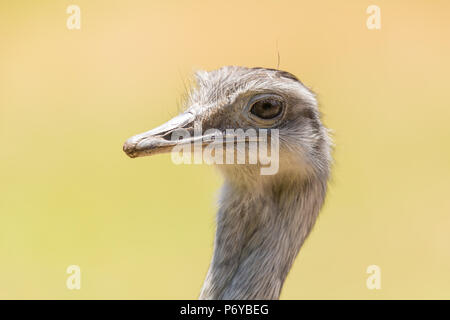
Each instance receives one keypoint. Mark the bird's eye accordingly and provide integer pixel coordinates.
(268, 108)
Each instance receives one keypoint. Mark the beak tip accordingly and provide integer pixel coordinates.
(129, 148)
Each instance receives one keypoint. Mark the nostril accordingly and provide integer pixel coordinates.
(179, 133)
(168, 136)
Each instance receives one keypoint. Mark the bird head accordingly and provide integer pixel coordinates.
(235, 98)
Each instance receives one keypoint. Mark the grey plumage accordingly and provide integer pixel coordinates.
(262, 220)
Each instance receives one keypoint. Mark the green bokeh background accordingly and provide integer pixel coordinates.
(144, 228)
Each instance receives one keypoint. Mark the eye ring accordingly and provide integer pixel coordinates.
(265, 109)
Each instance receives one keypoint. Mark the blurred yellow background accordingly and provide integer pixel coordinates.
(144, 228)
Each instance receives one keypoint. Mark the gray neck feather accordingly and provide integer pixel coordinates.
(259, 234)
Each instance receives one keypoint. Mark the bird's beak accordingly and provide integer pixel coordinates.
(159, 140)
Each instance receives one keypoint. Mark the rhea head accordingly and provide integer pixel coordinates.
(248, 98)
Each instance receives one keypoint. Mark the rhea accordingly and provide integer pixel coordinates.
(262, 220)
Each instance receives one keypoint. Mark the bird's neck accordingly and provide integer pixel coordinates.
(258, 236)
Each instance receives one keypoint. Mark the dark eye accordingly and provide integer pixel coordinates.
(267, 108)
